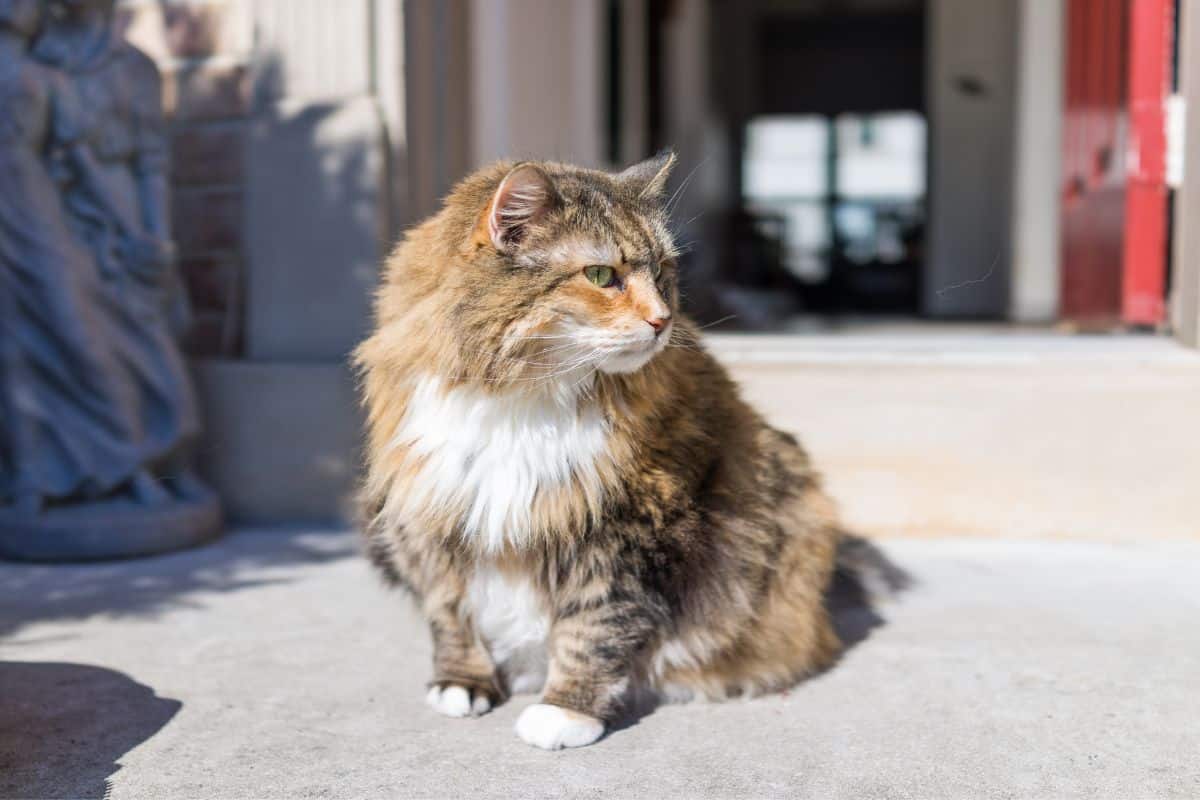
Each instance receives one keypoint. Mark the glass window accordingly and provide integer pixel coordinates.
(847, 190)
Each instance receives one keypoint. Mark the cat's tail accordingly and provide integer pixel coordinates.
(863, 562)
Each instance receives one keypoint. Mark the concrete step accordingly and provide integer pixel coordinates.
(281, 439)
(999, 435)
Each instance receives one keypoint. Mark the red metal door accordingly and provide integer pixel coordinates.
(1114, 213)
(1093, 160)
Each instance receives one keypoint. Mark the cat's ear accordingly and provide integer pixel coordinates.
(648, 179)
(521, 200)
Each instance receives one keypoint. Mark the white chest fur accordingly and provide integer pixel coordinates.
(513, 623)
(485, 455)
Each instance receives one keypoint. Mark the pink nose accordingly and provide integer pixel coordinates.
(658, 323)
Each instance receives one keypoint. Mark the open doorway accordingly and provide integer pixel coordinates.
(839, 203)
(826, 116)
(855, 156)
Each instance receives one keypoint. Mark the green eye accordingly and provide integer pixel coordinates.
(656, 270)
(602, 276)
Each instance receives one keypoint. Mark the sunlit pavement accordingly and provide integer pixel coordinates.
(946, 431)
(273, 664)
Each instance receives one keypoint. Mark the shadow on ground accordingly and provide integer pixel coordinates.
(63, 727)
(865, 578)
(32, 593)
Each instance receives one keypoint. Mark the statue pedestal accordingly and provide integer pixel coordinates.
(109, 529)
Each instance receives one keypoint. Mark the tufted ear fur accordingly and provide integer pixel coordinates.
(648, 179)
(521, 200)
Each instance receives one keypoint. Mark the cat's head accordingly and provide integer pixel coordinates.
(564, 271)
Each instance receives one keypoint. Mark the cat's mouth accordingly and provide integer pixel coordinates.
(635, 354)
(579, 348)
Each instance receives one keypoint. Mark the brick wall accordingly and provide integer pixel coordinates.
(202, 49)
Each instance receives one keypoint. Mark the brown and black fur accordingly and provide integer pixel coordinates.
(711, 537)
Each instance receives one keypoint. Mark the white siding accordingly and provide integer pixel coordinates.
(1035, 229)
(312, 49)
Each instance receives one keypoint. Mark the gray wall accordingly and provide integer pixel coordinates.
(437, 64)
(536, 82)
(970, 94)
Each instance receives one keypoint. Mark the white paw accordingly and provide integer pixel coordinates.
(455, 701)
(552, 727)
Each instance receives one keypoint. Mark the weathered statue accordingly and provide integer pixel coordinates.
(96, 412)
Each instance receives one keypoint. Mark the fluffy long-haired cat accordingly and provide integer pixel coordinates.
(567, 482)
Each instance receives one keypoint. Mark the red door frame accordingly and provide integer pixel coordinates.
(1114, 207)
(1151, 32)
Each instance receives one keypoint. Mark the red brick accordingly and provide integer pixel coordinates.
(207, 92)
(210, 335)
(206, 220)
(207, 153)
(194, 31)
(213, 281)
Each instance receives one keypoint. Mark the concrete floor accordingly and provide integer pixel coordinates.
(272, 664)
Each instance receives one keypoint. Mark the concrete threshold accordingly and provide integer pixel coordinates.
(922, 433)
(927, 345)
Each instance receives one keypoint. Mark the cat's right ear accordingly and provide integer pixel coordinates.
(648, 178)
(521, 200)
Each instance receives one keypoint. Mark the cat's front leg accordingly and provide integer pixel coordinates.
(464, 678)
(464, 683)
(592, 655)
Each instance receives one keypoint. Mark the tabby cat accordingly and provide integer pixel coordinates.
(565, 480)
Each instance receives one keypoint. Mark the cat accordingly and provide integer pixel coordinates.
(566, 481)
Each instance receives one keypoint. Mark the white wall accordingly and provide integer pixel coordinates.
(308, 49)
(1041, 46)
(1185, 290)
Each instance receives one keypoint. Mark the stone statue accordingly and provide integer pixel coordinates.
(97, 416)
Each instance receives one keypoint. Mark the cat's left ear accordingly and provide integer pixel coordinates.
(648, 179)
(521, 200)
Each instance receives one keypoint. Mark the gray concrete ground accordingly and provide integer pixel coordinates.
(273, 664)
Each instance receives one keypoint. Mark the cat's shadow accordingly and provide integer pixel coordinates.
(864, 580)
